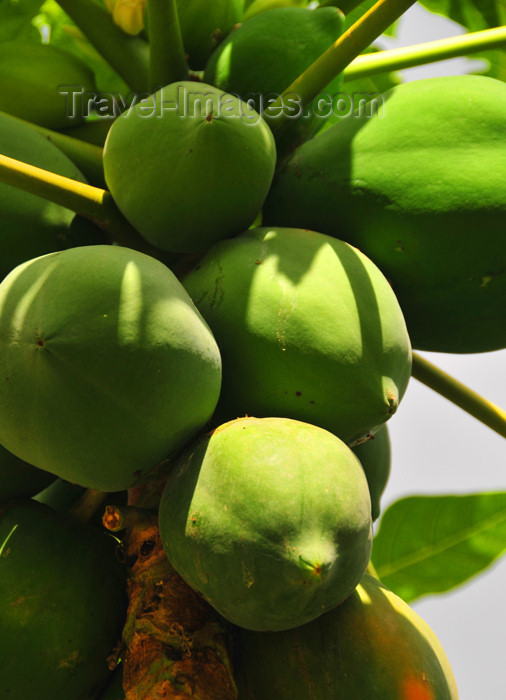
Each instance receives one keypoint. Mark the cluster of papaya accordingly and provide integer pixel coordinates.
(258, 377)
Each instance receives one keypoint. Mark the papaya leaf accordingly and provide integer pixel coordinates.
(431, 544)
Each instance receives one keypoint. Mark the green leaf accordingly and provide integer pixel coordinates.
(430, 544)
(472, 14)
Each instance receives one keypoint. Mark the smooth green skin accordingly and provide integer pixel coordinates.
(265, 55)
(31, 76)
(372, 646)
(252, 8)
(62, 604)
(19, 479)
(186, 182)
(308, 329)
(420, 190)
(114, 690)
(204, 24)
(374, 456)
(106, 365)
(29, 225)
(270, 520)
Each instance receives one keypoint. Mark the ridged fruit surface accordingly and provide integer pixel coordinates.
(374, 456)
(30, 225)
(308, 328)
(373, 646)
(189, 166)
(106, 365)
(61, 604)
(419, 188)
(34, 78)
(269, 519)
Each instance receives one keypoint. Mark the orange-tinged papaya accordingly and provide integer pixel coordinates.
(308, 328)
(62, 604)
(106, 365)
(418, 186)
(269, 519)
(372, 647)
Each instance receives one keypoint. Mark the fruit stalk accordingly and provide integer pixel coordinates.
(127, 55)
(421, 54)
(349, 45)
(91, 202)
(167, 58)
(174, 644)
(87, 505)
(459, 394)
(86, 156)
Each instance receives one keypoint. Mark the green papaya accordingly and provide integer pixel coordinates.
(269, 519)
(374, 456)
(204, 24)
(263, 56)
(211, 160)
(29, 225)
(373, 646)
(418, 186)
(308, 328)
(62, 604)
(19, 479)
(255, 7)
(60, 495)
(114, 689)
(106, 365)
(34, 78)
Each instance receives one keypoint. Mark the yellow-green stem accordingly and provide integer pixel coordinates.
(319, 74)
(420, 54)
(87, 505)
(478, 407)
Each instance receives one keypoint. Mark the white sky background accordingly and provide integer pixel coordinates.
(438, 448)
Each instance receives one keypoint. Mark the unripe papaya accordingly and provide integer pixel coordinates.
(252, 8)
(269, 519)
(372, 647)
(19, 479)
(106, 365)
(374, 456)
(263, 56)
(29, 225)
(204, 24)
(308, 328)
(60, 495)
(419, 188)
(33, 77)
(61, 604)
(211, 160)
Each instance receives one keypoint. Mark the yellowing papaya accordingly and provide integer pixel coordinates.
(62, 604)
(204, 24)
(308, 328)
(419, 187)
(372, 647)
(34, 78)
(269, 519)
(189, 166)
(29, 225)
(106, 365)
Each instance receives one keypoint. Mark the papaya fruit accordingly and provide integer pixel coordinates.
(255, 7)
(263, 56)
(107, 367)
(372, 646)
(32, 77)
(269, 519)
(19, 479)
(114, 689)
(419, 187)
(374, 456)
(211, 161)
(60, 495)
(204, 24)
(308, 328)
(29, 225)
(62, 604)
